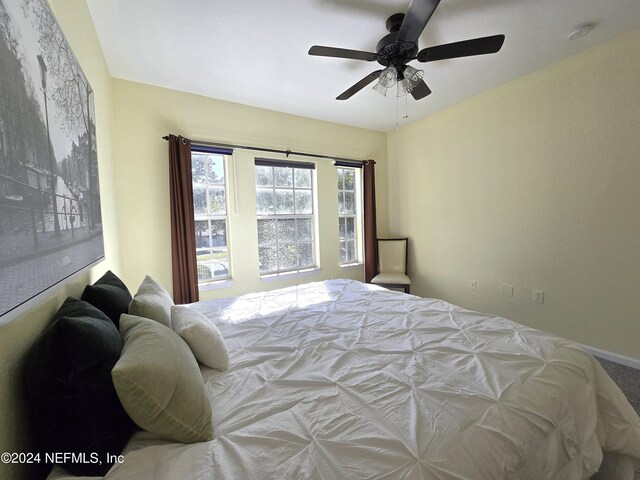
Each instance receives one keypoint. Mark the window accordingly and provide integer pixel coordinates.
(284, 200)
(348, 219)
(208, 168)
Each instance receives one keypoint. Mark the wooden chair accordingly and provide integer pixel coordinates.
(392, 264)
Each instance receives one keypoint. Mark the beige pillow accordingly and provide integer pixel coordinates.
(152, 301)
(159, 382)
(202, 336)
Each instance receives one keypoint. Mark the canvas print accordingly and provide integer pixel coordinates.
(50, 222)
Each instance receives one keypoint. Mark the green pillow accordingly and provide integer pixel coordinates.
(152, 301)
(159, 382)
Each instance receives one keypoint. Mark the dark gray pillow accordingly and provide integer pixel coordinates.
(109, 295)
(72, 402)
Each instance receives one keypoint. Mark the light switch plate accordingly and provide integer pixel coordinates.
(538, 296)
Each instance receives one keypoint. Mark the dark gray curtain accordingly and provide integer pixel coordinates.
(183, 239)
(370, 229)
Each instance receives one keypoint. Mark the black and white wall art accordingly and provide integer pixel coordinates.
(50, 220)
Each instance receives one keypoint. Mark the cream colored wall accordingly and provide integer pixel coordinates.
(534, 184)
(143, 114)
(17, 335)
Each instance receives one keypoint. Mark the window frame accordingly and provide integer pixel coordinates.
(224, 155)
(278, 217)
(356, 216)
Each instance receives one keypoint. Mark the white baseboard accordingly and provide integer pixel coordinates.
(613, 357)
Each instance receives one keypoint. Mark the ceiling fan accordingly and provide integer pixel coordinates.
(400, 46)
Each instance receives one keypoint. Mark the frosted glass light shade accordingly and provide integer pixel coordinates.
(381, 89)
(388, 76)
(404, 87)
(412, 76)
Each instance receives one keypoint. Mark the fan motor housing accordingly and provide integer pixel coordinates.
(389, 50)
(394, 22)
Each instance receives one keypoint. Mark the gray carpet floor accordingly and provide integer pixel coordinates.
(628, 379)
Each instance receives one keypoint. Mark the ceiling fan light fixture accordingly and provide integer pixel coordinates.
(404, 87)
(413, 75)
(411, 78)
(381, 89)
(389, 76)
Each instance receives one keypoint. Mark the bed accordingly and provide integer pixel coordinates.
(343, 380)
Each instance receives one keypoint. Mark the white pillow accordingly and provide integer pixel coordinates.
(202, 336)
(152, 301)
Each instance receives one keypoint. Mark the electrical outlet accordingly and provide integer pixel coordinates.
(473, 285)
(506, 290)
(538, 296)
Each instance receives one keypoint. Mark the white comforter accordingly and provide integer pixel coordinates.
(341, 380)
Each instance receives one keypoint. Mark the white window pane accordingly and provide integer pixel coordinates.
(284, 201)
(349, 203)
(264, 176)
(202, 233)
(341, 202)
(351, 250)
(343, 251)
(302, 178)
(287, 256)
(217, 201)
(350, 227)
(342, 227)
(211, 234)
(218, 233)
(304, 204)
(266, 231)
(203, 255)
(304, 229)
(200, 200)
(198, 168)
(215, 169)
(213, 263)
(283, 176)
(286, 231)
(341, 179)
(305, 255)
(268, 259)
(264, 201)
(220, 263)
(349, 180)
(204, 272)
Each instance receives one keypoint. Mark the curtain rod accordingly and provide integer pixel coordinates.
(272, 150)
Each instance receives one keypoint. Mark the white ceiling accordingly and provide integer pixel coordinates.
(254, 52)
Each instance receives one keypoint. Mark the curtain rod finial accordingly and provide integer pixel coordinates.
(166, 137)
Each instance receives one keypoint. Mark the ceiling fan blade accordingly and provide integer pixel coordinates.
(421, 90)
(416, 19)
(466, 48)
(342, 53)
(348, 93)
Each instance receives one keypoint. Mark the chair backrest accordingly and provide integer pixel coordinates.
(392, 255)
